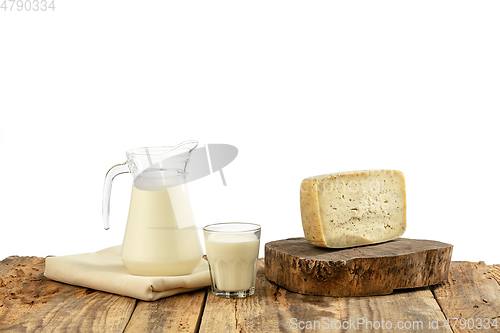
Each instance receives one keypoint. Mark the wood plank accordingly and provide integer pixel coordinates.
(375, 269)
(470, 294)
(231, 315)
(179, 313)
(29, 302)
(275, 309)
(219, 315)
(412, 310)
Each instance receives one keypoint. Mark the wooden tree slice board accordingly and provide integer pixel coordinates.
(376, 269)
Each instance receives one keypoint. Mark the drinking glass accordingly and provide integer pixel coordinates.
(232, 253)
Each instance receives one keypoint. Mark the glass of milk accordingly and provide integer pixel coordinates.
(232, 253)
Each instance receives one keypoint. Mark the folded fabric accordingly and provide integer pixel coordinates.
(105, 271)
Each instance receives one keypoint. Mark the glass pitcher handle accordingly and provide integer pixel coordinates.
(106, 196)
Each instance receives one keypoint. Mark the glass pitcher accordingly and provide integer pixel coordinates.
(161, 237)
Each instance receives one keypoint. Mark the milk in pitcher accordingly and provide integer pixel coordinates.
(161, 236)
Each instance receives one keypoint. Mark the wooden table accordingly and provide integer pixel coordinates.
(29, 302)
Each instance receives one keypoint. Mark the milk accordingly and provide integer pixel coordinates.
(233, 260)
(161, 236)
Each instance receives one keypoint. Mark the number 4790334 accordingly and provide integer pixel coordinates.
(27, 5)
(472, 323)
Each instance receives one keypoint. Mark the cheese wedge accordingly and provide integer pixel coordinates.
(349, 209)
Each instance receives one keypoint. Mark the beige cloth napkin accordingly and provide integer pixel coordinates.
(104, 270)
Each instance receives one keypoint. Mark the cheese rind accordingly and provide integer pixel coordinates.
(356, 208)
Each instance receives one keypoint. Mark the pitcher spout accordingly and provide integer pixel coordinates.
(157, 168)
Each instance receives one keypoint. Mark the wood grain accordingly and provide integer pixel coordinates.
(495, 272)
(362, 271)
(219, 315)
(275, 309)
(180, 313)
(29, 302)
(470, 292)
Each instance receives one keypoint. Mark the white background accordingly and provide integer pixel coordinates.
(300, 87)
